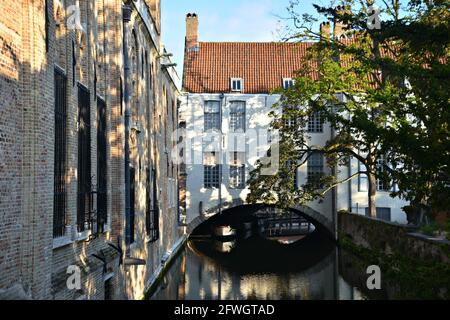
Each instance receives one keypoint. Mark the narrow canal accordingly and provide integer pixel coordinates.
(257, 267)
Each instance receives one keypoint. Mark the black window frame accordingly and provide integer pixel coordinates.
(132, 205)
(60, 154)
(102, 165)
(47, 25)
(152, 214)
(212, 118)
(237, 116)
(84, 181)
(315, 169)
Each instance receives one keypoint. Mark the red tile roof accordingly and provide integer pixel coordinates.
(262, 66)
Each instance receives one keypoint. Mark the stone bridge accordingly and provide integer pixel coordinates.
(322, 221)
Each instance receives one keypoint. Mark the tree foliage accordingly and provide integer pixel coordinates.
(385, 94)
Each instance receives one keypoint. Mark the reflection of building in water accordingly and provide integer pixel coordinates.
(196, 276)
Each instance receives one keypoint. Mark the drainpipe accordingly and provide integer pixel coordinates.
(350, 206)
(220, 155)
(333, 193)
(126, 11)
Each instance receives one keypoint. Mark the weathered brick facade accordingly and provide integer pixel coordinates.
(38, 37)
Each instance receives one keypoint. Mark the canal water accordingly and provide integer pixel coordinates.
(257, 268)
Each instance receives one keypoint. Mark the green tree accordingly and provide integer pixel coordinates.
(357, 84)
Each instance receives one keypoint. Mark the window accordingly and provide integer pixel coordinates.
(236, 84)
(363, 183)
(211, 170)
(382, 213)
(131, 228)
(59, 200)
(102, 166)
(212, 116)
(315, 123)
(84, 196)
(152, 208)
(74, 64)
(237, 170)
(362, 178)
(237, 116)
(290, 121)
(287, 83)
(382, 185)
(148, 201)
(315, 168)
(47, 25)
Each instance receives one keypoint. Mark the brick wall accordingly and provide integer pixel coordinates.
(154, 111)
(10, 143)
(31, 259)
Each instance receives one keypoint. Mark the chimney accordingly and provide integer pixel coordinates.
(340, 28)
(325, 31)
(191, 32)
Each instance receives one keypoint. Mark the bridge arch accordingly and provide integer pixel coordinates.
(319, 220)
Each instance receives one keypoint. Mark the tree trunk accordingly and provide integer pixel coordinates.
(372, 190)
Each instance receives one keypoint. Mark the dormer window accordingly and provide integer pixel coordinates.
(288, 82)
(237, 84)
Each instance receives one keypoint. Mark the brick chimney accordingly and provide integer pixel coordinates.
(325, 30)
(340, 28)
(191, 31)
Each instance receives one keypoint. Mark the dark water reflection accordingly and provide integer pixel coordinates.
(256, 268)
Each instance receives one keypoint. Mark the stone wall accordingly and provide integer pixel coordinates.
(391, 238)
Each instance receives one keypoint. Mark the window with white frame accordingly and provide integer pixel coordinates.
(363, 183)
(289, 120)
(237, 170)
(382, 185)
(237, 84)
(288, 82)
(362, 178)
(211, 170)
(315, 168)
(212, 115)
(315, 123)
(237, 116)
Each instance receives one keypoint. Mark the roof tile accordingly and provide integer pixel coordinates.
(261, 65)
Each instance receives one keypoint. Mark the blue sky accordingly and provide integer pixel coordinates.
(225, 20)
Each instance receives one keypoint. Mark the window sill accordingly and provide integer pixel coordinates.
(81, 236)
(61, 242)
